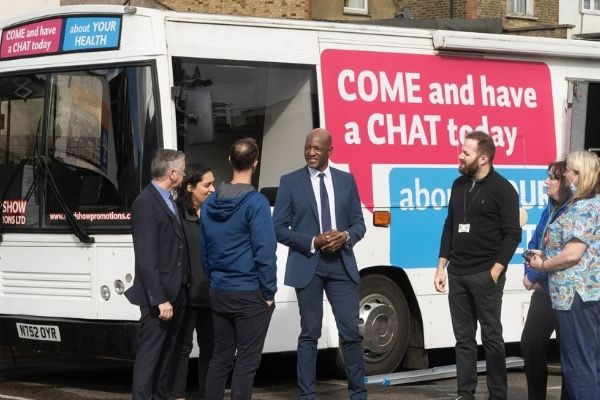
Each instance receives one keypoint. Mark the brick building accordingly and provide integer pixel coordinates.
(526, 17)
(299, 9)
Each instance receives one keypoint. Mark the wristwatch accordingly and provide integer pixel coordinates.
(348, 241)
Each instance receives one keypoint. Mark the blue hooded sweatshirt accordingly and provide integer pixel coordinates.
(238, 240)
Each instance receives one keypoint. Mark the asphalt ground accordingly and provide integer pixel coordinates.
(35, 379)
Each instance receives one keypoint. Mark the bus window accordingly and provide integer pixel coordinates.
(101, 132)
(274, 103)
(21, 112)
(98, 120)
(583, 120)
(592, 123)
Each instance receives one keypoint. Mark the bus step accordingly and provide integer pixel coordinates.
(431, 374)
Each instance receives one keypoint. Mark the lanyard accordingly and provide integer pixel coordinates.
(465, 208)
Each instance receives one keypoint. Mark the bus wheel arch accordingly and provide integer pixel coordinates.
(390, 321)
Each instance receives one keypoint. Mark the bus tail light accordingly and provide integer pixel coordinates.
(382, 218)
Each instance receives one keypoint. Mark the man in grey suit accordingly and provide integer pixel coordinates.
(319, 217)
(161, 272)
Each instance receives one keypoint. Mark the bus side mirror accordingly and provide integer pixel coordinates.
(270, 193)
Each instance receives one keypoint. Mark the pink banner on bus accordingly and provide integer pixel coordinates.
(41, 37)
(388, 108)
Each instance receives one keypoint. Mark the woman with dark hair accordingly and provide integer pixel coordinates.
(195, 188)
(571, 256)
(541, 318)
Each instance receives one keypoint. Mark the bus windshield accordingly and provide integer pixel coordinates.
(96, 130)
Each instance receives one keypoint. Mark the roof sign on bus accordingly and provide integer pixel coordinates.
(41, 37)
(61, 35)
(92, 33)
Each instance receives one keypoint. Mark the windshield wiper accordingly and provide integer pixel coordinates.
(79, 230)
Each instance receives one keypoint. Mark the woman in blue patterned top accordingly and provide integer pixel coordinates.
(541, 318)
(571, 255)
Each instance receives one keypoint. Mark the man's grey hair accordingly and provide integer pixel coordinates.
(163, 161)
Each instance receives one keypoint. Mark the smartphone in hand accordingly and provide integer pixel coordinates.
(528, 255)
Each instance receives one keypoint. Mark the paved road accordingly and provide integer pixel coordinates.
(274, 381)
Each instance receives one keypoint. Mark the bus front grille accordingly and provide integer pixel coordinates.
(49, 285)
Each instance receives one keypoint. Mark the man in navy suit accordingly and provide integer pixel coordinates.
(161, 272)
(318, 216)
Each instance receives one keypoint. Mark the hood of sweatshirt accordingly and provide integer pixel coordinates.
(227, 199)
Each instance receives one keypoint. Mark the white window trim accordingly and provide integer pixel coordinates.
(358, 11)
(590, 10)
(529, 9)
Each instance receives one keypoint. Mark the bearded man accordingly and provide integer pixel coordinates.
(480, 236)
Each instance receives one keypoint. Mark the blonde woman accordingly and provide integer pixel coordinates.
(571, 255)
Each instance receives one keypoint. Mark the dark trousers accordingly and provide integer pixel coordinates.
(472, 298)
(240, 321)
(580, 348)
(342, 294)
(199, 319)
(155, 348)
(541, 322)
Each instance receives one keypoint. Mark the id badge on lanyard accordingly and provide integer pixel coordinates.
(466, 228)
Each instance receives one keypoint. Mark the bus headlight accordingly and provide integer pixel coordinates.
(119, 286)
(105, 292)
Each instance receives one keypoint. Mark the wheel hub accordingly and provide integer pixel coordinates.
(378, 323)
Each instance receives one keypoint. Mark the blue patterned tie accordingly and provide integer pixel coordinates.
(325, 213)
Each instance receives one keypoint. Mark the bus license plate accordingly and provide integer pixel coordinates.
(38, 332)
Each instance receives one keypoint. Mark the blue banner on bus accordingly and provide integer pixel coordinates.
(419, 206)
(84, 33)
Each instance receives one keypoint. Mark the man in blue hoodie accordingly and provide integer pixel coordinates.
(238, 252)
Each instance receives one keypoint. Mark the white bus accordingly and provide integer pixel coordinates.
(88, 93)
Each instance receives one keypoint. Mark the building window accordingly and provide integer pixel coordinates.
(520, 7)
(591, 5)
(356, 7)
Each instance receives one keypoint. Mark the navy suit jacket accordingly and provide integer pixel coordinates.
(296, 221)
(160, 251)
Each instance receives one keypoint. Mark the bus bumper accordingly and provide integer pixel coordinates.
(25, 334)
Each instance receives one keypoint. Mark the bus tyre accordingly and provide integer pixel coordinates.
(384, 324)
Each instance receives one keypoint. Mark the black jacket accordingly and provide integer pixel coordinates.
(490, 208)
(161, 256)
(197, 295)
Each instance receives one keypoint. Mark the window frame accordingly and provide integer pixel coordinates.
(591, 10)
(529, 9)
(357, 11)
(43, 148)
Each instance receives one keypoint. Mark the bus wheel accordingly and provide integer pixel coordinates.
(384, 324)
